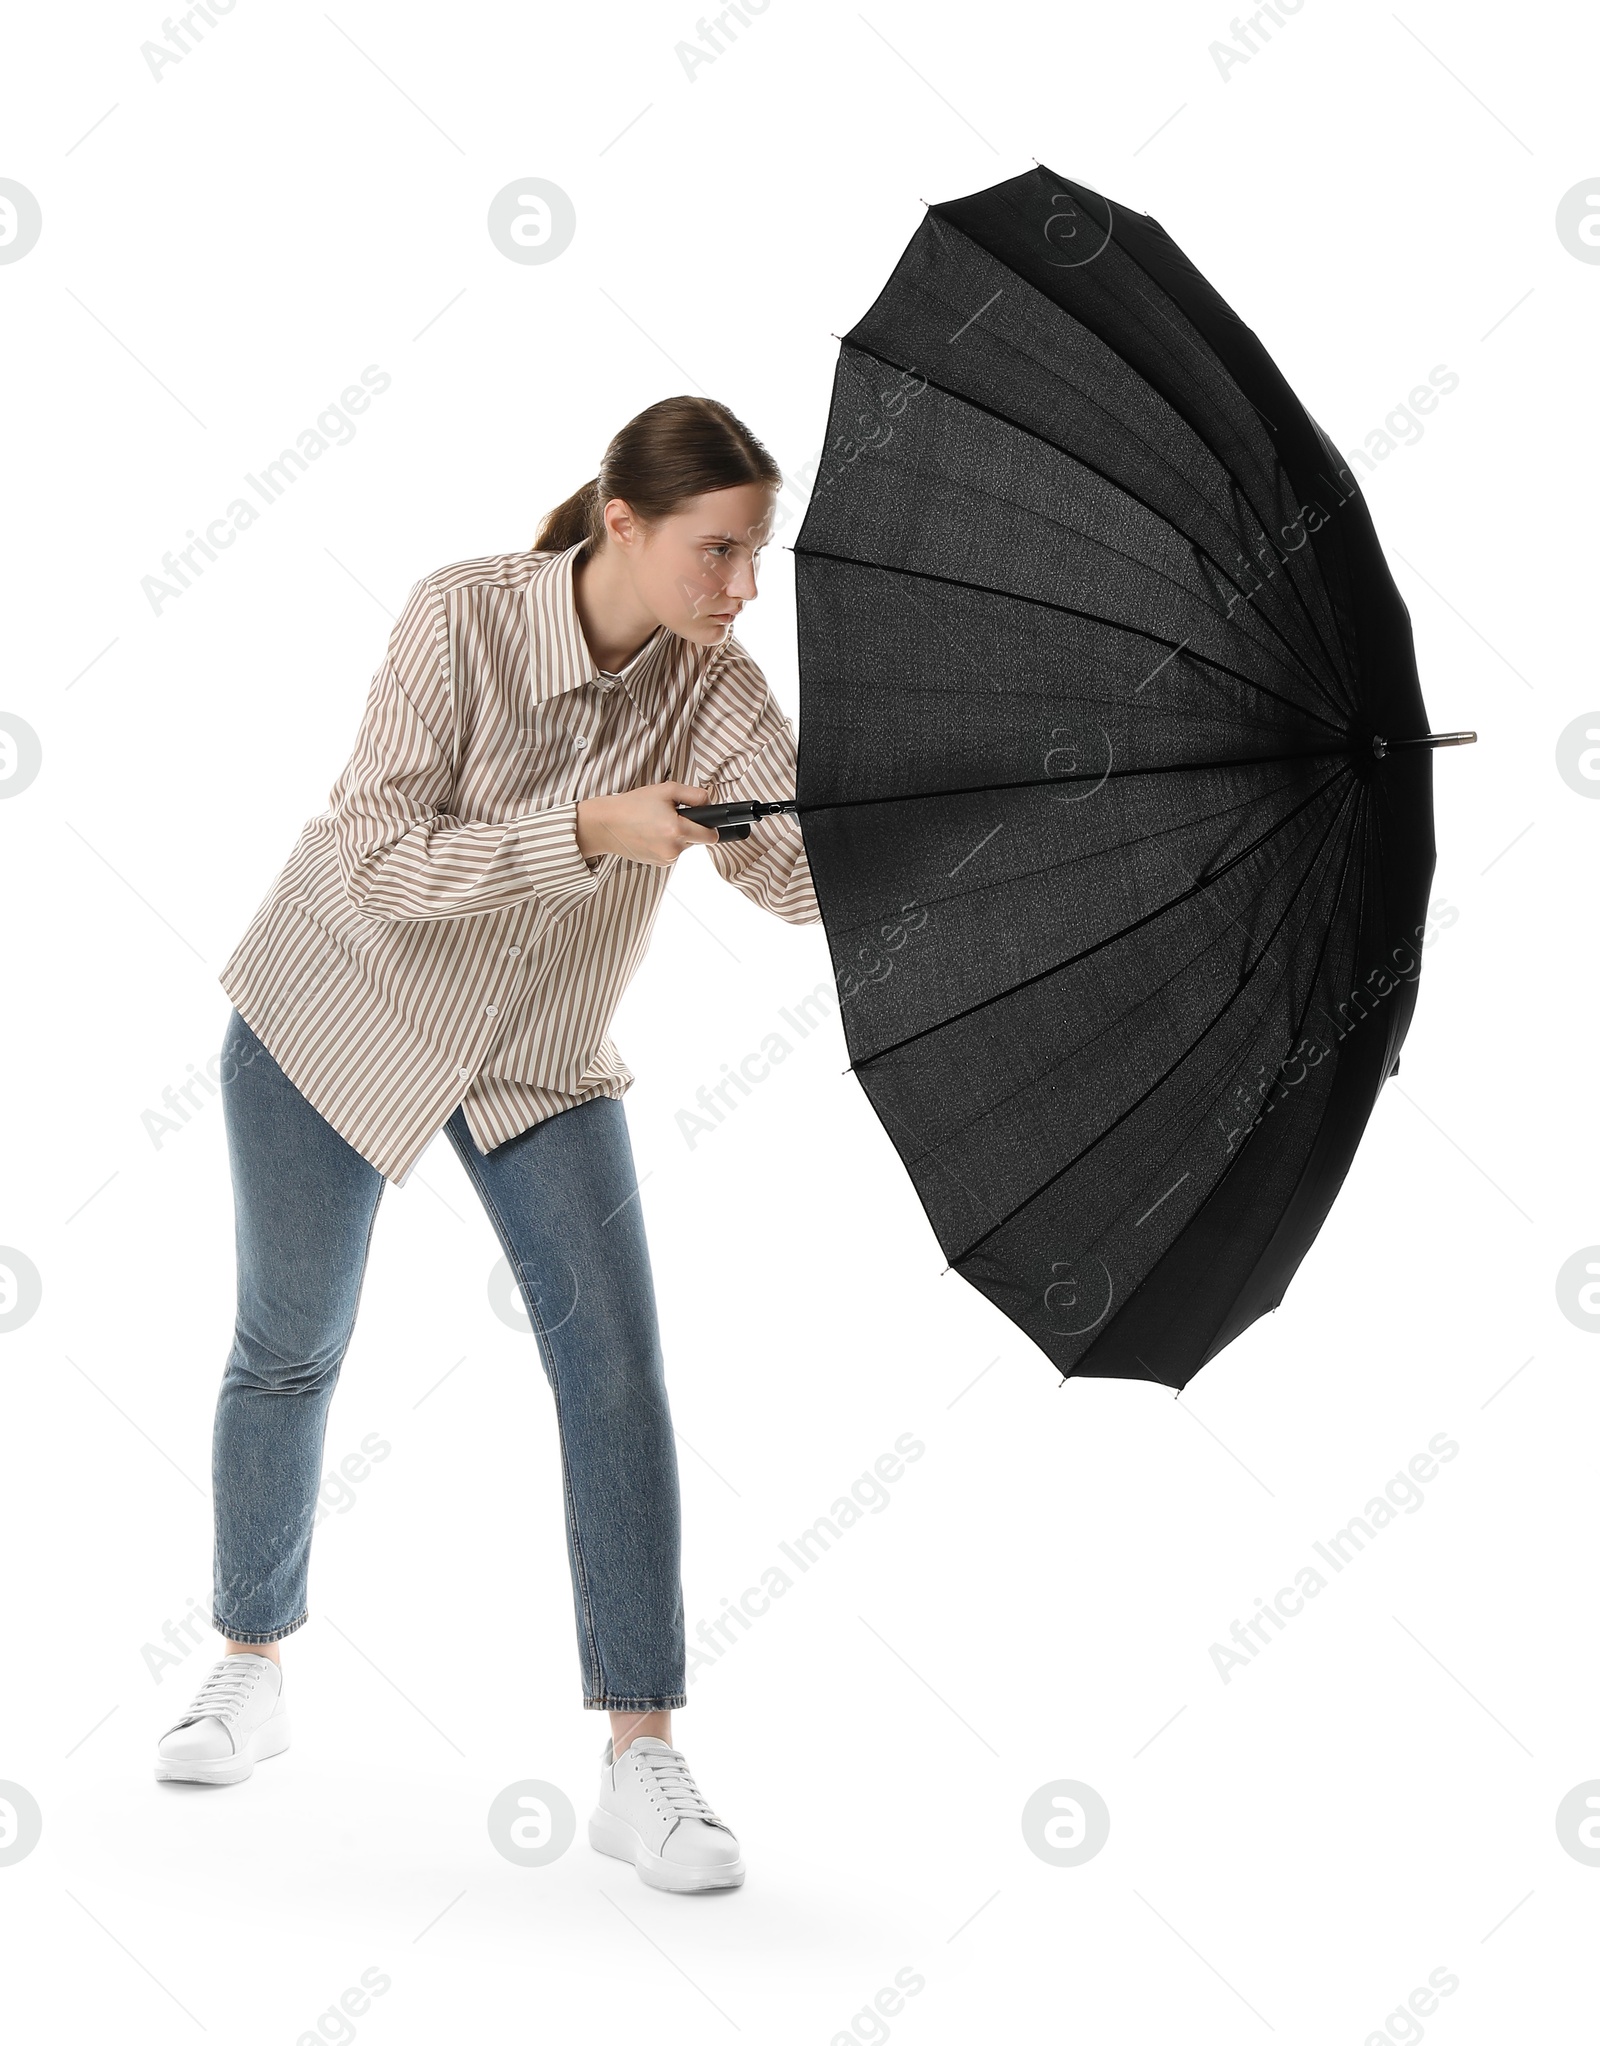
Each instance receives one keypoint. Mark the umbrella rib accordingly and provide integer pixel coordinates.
(1233, 1160)
(1163, 310)
(1147, 570)
(1185, 965)
(1116, 483)
(1216, 1185)
(1230, 810)
(1189, 334)
(1111, 938)
(1051, 781)
(1134, 1105)
(1350, 845)
(1071, 611)
(1322, 950)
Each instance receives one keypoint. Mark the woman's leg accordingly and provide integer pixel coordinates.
(564, 1202)
(304, 1206)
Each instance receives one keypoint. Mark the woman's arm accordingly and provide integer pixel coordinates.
(402, 856)
(744, 749)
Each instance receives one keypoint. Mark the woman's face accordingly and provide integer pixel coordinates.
(696, 570)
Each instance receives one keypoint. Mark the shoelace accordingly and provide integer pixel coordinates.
(670, 1776)
(222, 1693)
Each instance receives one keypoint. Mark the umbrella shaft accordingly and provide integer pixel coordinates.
(1381, 746)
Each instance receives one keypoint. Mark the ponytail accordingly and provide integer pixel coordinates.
(576, 518)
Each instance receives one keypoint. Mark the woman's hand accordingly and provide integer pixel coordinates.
(643, 824)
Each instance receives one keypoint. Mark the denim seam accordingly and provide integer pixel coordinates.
(528, 1290)
(670, 1701)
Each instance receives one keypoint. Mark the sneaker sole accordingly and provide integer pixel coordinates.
(611, 1835)
(268, 1740)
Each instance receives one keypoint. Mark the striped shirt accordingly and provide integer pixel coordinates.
(435, 938)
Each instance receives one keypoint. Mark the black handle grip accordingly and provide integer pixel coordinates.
(714, 813)
(728, 820)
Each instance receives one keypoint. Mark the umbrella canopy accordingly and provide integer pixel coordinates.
(1114, 773)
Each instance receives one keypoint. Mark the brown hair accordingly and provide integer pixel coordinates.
(672, 451)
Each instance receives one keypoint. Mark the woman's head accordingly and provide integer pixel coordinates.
(680, 510)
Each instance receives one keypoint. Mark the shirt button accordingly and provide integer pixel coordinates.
(461, 1072)
(579, 744)
(488, 1008)
(513, 950)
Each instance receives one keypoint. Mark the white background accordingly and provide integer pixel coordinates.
(1292, 1852)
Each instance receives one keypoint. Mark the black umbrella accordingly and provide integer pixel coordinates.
(1114, 773)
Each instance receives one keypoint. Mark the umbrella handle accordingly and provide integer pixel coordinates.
(732, 820)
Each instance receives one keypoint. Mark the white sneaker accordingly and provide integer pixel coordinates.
(237, 1719)
(651, 1813)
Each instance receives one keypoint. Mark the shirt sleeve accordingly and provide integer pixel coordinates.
(402, 855)
(744, 749)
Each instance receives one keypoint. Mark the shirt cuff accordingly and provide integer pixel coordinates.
(544, 845)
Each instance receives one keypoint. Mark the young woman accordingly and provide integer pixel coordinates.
(444, 948)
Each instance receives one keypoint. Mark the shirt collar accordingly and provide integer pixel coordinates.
(558, 654)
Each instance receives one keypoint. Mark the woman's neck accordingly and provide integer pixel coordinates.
(615, 624)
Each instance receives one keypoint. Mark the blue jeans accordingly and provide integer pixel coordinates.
(563, 1201)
